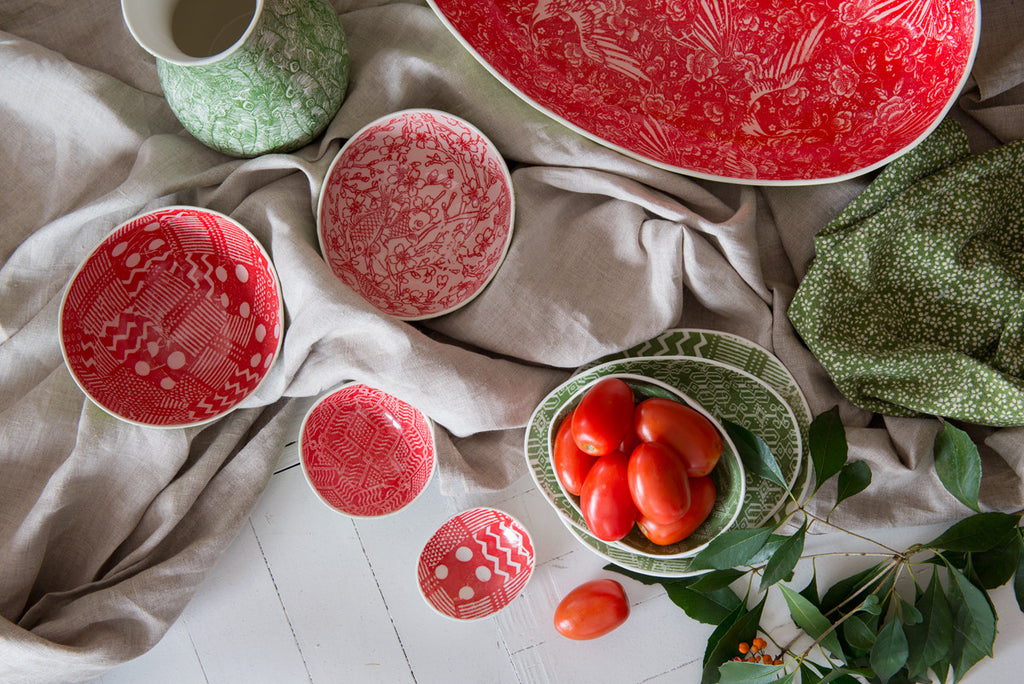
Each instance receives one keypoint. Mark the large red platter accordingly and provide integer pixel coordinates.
(173, 319)
(751, 91)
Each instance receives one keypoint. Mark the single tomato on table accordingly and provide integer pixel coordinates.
(591, 610)
(658, 482)
(571, 463)
(692, 435)
(702, 500)
(605, 501)
(603, 417)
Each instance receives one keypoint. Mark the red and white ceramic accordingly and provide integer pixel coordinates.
(173, 319)
(475, 564)
(366, 453)
(416, 213)
(754, 91)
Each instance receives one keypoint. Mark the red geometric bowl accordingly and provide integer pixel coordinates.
(366, 453)
(173, 319)
(475, 564)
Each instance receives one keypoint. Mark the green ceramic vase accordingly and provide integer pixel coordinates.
(246, 77)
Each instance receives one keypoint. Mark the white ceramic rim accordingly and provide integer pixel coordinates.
(506, 175)
(180, 57)
(713, 177)
(416, 568)
(174, 207)
(688, 401)
(302, 459)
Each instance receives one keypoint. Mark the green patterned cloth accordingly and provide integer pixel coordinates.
(914, 302)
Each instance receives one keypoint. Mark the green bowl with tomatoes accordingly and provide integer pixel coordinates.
(719, 494)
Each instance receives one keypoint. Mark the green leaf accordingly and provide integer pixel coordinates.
(827, 444)
(995, 567)
(870, 605)
(1018, 584)
(808, 675)
(838, 594)
(930, 640)
(751, 673)
(858, 634)
(910, 614)
(810, 592)
(719, 633)
(716, 579)
(755, 453)
(974, 624)
(709, 607)
(808, 618)
(958, 465)
(781, 565)
(979, 532)
(854, 478)
(731, 549)
(722, 644)
(889, 653)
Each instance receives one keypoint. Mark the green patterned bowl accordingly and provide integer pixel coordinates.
(729, 476)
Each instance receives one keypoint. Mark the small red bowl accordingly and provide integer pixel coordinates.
(475, 564)
(366, 453)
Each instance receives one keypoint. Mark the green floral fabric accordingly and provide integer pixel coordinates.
(914, 302)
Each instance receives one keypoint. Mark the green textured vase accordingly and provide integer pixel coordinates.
(246, 77)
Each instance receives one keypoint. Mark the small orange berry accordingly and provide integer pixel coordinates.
(759, 643)
(744, 647)
(778, 661)
(767, 659)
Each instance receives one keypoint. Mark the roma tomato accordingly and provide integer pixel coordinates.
(591, 610)
(571, 463)
(603, 417)
(685, 430)
(607, 505)
(658, 482)
(702, 500)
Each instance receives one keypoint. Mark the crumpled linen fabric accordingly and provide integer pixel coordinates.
(106, 529)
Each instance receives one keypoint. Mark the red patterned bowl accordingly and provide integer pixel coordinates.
(366, 453)
(766, 92)
(173, 319)
(475, 564)
(416, 213)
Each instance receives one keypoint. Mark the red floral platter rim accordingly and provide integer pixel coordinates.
(171, 356)
(491, 32)
(327, 445)
(354, 175)
(501, 564)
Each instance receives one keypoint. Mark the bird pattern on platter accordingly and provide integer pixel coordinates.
(366, 452)
(173, 319)
(275, 93)
(416, 214)
(766, 90)
(475, 564)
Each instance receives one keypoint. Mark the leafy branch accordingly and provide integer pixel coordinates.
(864, 625)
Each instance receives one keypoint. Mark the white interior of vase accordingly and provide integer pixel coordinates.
(191, 31)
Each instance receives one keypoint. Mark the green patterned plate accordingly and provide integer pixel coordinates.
(735, 351)
(724, 391)
(729, 476)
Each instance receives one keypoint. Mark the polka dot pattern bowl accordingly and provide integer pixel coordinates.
(173, 319)
(366, 453)
(475, 564)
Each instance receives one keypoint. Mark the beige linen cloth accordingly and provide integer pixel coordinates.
(106, 529)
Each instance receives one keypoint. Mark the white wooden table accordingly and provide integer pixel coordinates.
(307, 595)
